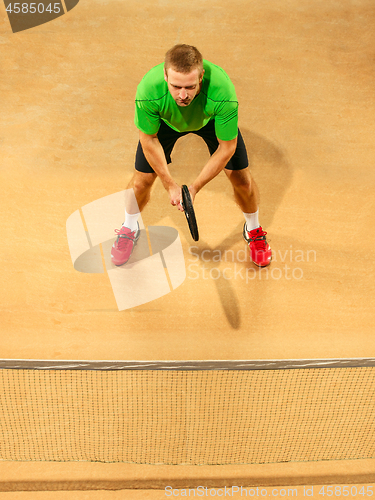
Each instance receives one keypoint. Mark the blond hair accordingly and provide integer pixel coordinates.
(183, 59)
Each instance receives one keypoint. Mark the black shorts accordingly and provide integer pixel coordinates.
(168, 137)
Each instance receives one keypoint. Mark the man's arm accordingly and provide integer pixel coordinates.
(215, 165)
(155, 156)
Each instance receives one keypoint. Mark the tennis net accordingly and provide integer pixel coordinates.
(187, 413)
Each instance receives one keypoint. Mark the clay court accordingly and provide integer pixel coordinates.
(304, 73)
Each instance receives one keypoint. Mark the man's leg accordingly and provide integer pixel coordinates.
(141, 183)
(138, 196)
(246, 192)
(246, 195)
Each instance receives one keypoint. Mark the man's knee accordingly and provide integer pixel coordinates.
(142, 181)
(241, 179)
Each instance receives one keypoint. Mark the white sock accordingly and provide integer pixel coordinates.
(252, 221)
(131, 221)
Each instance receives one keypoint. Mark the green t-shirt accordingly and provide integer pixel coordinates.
(216, 100)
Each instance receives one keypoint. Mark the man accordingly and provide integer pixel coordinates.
(185, 95)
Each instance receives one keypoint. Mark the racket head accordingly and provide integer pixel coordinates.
(189, 212)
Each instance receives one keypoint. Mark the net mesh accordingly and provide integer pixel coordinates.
(207, 417)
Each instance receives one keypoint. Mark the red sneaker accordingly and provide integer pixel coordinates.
(260, 251)
(123, 246)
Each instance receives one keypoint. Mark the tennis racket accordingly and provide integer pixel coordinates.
(187, 205)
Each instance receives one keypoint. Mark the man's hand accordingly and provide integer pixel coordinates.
(175, 196)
